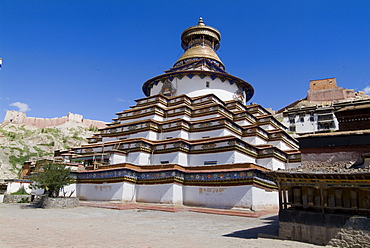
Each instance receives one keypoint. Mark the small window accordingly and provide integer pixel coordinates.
(205, 137)
(3, 189)
(210, 162)
(207, 84)
(165, 162)
(169, 137)
(292, 129)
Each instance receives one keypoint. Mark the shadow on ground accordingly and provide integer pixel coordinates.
(28, 206)
(271, 227)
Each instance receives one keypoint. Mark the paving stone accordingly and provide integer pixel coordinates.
(101, 227)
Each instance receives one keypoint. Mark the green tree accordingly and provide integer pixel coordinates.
(52, 177)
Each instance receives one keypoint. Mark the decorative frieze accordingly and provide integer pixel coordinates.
(237, 177)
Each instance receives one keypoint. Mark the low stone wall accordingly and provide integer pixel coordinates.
(17, 199)
(47, 202)
(356, 233)
(319, 235)
(338, 230)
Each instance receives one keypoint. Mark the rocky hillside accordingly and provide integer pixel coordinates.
(20, 143)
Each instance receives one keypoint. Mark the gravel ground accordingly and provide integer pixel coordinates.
(21, 226)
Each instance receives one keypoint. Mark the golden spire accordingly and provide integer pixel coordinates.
(200, 41)
(201, 23)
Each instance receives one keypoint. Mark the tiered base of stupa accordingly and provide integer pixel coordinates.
(227, 186)
(196, 151)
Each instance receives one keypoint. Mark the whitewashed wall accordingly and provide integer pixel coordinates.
(212, 133)
(263, 199)
(15, 186)
(221, 158)
(170, 157)
(69, 190)
(197, 87)
(271, 163)
(243, 123)
(254, 140)
(108, 139)
(280, 144)
(184, 159)
(100, 192)
(117, 158)
(139, 158)
(218, 197)
(160, 193)
(199, 118)
(174, 134)
(248, 196)
(307, 126)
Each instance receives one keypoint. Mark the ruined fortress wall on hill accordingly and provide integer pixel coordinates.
(327, 90)
(98, 124)
(21, 118)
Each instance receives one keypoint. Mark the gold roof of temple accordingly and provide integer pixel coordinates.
(200, 41)
(199, 51)
(201, 28)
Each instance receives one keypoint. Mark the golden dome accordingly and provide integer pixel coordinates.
(200, 41)
(200, 51)
(200, 29)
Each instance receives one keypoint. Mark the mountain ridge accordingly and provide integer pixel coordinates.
(20, 143)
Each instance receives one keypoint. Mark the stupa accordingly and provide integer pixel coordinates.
(192, 140)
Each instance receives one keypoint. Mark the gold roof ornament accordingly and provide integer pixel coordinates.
(200, 41)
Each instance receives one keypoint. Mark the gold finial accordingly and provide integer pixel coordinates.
(200, 41)
(201, 23)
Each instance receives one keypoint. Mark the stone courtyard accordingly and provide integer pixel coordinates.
(86, 226)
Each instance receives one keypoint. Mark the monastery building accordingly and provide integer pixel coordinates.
(191, 140)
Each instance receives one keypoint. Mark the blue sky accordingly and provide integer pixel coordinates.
(92, 57)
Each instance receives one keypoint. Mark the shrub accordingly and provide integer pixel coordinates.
(20, 191)
(52, 177)
(93, 129)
